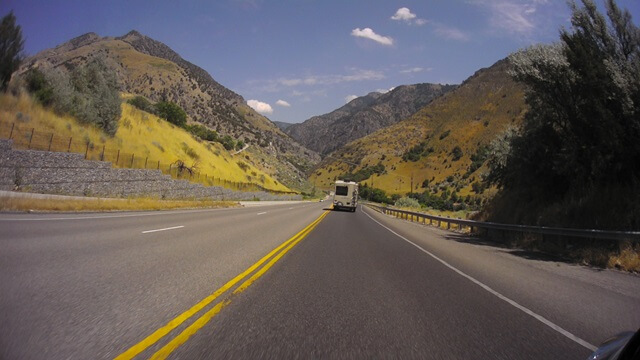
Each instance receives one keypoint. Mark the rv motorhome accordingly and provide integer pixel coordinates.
(345, 195)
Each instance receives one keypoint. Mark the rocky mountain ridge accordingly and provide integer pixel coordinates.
(363, 116)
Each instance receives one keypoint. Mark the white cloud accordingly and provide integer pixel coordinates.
(420, 22)
(367, 33)
(451, 33)
(261, 107)
(283, 103)
(349, 98)
(356, 75)
(412, 70)
(403, 14)
(517, 17)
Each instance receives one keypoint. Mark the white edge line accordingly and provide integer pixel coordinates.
(169, 228)
(261, 213)
(156, 213)
(538, 317)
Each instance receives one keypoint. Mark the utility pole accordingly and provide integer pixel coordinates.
(411, 189)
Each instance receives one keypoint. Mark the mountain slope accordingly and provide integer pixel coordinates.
(150, 68)
(363, 116)
(468, 117)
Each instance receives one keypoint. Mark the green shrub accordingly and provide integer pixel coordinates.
(407, 202)
(456, 153)
(172, 113)
(142, 103)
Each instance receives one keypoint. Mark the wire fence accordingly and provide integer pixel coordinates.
(30, 138)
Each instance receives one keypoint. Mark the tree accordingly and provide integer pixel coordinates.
(11, 45)
(172, 113)
(583, 94)
(97, 95)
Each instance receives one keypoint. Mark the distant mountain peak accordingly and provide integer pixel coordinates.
(84, 39)
(364, 115)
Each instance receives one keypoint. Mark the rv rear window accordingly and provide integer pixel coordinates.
(342, 190)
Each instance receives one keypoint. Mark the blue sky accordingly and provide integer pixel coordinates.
(295, 59)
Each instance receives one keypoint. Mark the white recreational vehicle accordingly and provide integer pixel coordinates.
(345, 195)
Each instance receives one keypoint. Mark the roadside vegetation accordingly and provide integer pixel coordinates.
(174, 114)
(575, 161)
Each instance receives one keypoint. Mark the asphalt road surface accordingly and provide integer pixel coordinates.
(291, 281)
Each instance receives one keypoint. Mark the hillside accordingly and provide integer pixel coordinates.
(150, 68)
(363, 116)
(468, 117)
(163, 142)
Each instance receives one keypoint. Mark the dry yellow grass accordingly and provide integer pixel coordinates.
(628, 259)
(95, 204)
(139, 133)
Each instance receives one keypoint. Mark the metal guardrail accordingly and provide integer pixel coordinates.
(581, 233)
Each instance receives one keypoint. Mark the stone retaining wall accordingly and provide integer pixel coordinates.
(70, 174)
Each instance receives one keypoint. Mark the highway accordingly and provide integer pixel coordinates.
(291, 281)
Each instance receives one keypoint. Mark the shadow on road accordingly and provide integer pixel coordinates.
(529, 254)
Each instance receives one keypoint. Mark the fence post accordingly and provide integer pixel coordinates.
(132, 155)
(69, 147)
(145, 162)
(11, 133)
(86, 151)
(118, 157)
(50, 141)
(102, 155)
(31, 138)
(158, 165)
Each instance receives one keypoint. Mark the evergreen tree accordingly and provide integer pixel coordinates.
(11, 44)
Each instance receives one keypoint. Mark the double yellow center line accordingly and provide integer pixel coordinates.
(272, 257)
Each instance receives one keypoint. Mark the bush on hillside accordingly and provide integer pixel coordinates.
(142, 103)
(90, 93)
(407, 202)
(171, 112)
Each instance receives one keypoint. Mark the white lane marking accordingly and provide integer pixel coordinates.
(500, 296)
(165, 229)
(122, 215)
(261, 213)
(292, 208)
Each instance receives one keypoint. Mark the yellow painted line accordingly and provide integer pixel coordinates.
(161, 332)
(170, 347)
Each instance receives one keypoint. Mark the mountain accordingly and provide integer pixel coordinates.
(282, 125)
(151, 69)
(442, 146)
(363, 116)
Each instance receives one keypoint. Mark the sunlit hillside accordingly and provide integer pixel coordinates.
(142, 134)
(469, 117)
(149, 68)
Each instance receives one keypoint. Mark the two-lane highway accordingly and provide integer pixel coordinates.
(86, 286)
(288, 281)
